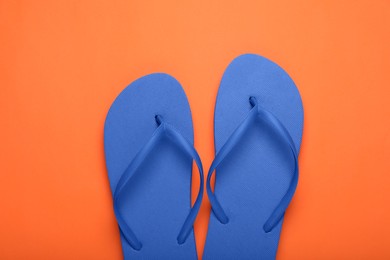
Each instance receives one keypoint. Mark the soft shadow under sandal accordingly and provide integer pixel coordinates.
(257, 129)
(148, 142)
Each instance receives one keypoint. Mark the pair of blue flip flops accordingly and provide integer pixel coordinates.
(148, 141)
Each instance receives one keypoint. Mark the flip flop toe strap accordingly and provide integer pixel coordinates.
(163, 130)
(282, 134)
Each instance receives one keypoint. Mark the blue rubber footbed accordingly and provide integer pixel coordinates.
(253, 178)
(157, 201)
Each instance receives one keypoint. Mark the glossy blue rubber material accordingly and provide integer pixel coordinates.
(254, 176)
(157, 199)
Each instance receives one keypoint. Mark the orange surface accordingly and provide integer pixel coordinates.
(62, 63)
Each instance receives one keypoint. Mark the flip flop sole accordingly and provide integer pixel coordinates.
(253, 178)
(157, 199)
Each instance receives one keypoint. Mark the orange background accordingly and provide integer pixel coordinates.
(62, 63)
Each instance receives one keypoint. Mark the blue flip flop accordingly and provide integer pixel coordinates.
(148, 142)
(258, 125)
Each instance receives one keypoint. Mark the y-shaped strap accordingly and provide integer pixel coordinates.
(282, 133)
(163, 129)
